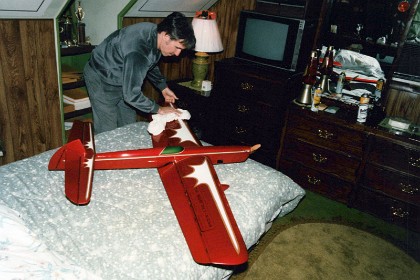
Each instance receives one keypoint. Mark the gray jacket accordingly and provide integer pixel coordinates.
(125, 58)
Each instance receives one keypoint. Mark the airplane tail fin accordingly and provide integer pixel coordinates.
(76, 158)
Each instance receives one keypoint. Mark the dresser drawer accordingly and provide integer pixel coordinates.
(341, 165)
(401, 157)
(316, 181)
(240, 85)
(404, 214)
(238, 109)
(400, 186)
(326, 134)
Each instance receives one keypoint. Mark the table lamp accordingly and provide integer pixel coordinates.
(207, 41)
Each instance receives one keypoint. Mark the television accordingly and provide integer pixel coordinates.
(276, 41)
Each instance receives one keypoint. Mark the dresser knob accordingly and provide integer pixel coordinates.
(319, 158)
(408, 188)
(313, 180)
(414, 161)
(399, 212)
(240, 130)
(243, 108)
(247, 86)
(325, 134)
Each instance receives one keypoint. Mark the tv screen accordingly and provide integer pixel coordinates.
(260, 33)
(276, 41)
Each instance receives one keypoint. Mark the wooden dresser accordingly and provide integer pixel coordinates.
(322, 153)
(390, 182)
(356, 164)
(248, 105)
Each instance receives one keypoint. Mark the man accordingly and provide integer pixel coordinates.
(118, 66)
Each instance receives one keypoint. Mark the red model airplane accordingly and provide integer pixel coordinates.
(187, 172)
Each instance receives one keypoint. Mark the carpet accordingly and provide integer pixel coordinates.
(326, 251)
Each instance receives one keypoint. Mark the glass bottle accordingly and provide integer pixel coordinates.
(326, 69)
(316, 99)
(378, 92)
(309, 76)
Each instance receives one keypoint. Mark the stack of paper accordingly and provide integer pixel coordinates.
(76, 97)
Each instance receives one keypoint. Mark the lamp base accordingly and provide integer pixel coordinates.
(325, 84)
(305, 97)
(200, 67)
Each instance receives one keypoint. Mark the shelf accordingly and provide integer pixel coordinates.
(76, 50)
(72, 79)
(76, 113)
(73, 85)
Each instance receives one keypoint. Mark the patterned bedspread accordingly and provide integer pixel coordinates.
(129, 230)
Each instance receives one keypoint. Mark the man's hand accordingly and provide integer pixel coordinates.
(169, 95)
(168, 110)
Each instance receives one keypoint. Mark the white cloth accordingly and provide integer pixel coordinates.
(157, 125)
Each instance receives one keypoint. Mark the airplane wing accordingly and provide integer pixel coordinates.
(199, 202)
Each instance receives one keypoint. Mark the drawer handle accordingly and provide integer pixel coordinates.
(247, 86)
(313, 180)
(243, 108)
(325, 134)
(240, 130)
(399, 212)
(414, 162)
(319, 158)
(408, 188)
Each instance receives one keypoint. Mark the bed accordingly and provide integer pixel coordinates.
(129, 230)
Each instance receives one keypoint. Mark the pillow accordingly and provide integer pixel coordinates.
(23, 256)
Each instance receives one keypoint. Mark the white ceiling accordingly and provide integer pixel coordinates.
(161, 8)
(30, 8)
(142, 8)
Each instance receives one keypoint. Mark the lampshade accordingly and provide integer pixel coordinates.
(208, 40)
(206, 33)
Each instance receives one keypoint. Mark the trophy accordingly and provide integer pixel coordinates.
(80, 15)
(66, 31)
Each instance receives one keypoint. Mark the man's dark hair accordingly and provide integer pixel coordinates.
(178, 27)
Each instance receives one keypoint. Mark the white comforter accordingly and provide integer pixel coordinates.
(129, 230)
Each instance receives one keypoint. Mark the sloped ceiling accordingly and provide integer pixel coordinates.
(161, 8)
(141, 8)
(31, 8)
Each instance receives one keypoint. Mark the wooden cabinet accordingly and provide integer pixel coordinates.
(374, 27)
(30, 116)
(196, 103)
(390, 183)
(322, 153)
(359, 165)
(248, 104)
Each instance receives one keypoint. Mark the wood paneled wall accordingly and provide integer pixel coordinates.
(227, 21)
(30, 117)
(403, 102)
